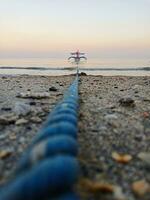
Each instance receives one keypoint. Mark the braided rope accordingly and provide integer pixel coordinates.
(49, 168)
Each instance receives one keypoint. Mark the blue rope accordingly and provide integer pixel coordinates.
(49, 168)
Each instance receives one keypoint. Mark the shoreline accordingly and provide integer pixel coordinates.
(68, 72)
(72, 75)
(107, 124)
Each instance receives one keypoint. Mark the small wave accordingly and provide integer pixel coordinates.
(117, 69)
(33, 68)
(81, 68)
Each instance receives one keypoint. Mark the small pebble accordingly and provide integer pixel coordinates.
(36, 119)
(54, 89)
(3, 136)
(127, 101)
(21, 121)
(7, 119)
(32, 103)
(4, 77)
(22, 140)
(12, 136)
(146, 114)
(83, 74)
(118, 193)
(111, 117)
(5, 153)
(6, 109)
(145, 157)
(136, 91)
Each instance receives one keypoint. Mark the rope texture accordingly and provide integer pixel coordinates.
(49, 168)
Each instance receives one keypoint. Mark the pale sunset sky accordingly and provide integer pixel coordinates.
(52, 28)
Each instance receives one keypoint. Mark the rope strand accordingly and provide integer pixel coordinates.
(49, 168)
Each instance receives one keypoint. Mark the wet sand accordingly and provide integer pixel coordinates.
(114, 130)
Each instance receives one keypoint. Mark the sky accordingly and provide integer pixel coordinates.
(52, 28)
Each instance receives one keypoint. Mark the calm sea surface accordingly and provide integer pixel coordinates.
(53, 66)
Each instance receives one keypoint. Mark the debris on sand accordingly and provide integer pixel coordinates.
(53, 89)
(118, 193)
(121, 158)
(83, 74)
(12, 136)
(21, 121)
(36, 119)
(95, 187)
(36, 95)
(7, 119)
(146, 114)
(127, 101)
(141, 187)
(5, 153)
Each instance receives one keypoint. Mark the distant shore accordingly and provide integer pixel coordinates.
(114, 119)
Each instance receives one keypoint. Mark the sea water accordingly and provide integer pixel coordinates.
(53, 66)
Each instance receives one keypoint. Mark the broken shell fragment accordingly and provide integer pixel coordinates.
(121, 158)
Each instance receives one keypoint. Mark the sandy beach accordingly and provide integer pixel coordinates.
(114, 130)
